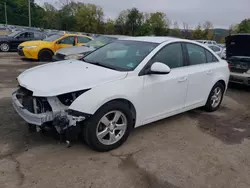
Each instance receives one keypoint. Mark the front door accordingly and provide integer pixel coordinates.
(65, 42)
(165, 94)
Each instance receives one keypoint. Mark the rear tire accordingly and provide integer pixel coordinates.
(4, 47)
(45, 55)
(215, 97)
(94, 126)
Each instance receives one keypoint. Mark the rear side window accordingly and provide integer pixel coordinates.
(196, 54)
(83, 39)
(210, 57)
(39, 36)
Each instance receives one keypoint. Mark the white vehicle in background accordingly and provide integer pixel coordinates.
(120, 86)
(217, 49)
(207, 42)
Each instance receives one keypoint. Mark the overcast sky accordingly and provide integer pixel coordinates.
(222, 13)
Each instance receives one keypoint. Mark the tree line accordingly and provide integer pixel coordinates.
(89, 18)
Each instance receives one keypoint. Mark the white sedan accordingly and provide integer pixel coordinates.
(121, 86)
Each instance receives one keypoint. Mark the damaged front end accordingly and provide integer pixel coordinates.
(50, 112)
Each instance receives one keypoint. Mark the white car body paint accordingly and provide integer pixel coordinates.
(153, 96)
(66, 76)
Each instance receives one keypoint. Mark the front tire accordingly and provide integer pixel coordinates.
(109, 127)
(45, 55)
(4, 47)
(215, 97)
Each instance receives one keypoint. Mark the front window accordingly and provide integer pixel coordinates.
(53, 38)
(170, 55)
(121, 55)
(101, 41)
(26, 35)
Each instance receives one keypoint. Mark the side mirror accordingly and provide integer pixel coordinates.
(17, 37)
(159, 68)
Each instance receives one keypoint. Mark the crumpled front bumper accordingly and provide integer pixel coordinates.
(36, 119)
(40, 119)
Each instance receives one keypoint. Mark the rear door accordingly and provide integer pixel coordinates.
(201, 70)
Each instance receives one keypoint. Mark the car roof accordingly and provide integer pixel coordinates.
(152, 39)
(67, 34)
(115, 36)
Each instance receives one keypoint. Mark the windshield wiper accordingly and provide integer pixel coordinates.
(99, 64)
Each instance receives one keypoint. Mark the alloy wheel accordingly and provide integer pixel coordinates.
(4, 47)
(216, 97)
(111, 127)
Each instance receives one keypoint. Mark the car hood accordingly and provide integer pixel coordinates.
(35, 43)
(75, 50)
(61, 77)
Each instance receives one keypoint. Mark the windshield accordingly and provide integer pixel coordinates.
(100, 41)
(14, 33)
(52, 38)
(121, 55)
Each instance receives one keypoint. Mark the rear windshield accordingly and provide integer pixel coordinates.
(53, 38)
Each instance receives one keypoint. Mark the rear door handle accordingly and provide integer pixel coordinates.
(209, 72)
(183, 79)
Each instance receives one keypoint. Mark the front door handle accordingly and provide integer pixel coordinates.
(183, 79)
(209, 72)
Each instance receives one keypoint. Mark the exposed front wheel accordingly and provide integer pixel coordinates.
(109, 127)
(4, 47)
(215, 97)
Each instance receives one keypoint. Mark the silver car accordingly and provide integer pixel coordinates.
(217, 49)
(77, 52)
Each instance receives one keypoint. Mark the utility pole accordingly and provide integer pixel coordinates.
(5, 10)
(29, 15)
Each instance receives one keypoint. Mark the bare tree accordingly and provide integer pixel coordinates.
(186, 32)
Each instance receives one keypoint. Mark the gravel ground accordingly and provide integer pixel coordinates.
(193, 150)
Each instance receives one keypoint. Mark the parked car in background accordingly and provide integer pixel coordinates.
(122, 85)
(207, 42)
(77, 52)
(44, 50)
(217, 49)
(238, 57)
(4, 31)
(11, 41)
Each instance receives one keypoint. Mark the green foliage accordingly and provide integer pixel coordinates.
(175, 32)
(89, 18)
(77, 16)
(244, 26)
(197, 33)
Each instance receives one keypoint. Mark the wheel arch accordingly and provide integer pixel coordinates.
(222, 82)
(125, 101)
(44, 49)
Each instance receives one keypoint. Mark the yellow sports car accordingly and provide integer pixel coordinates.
(45, 49)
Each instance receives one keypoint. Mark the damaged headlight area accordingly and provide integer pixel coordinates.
(50, 112)
(68, 98)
